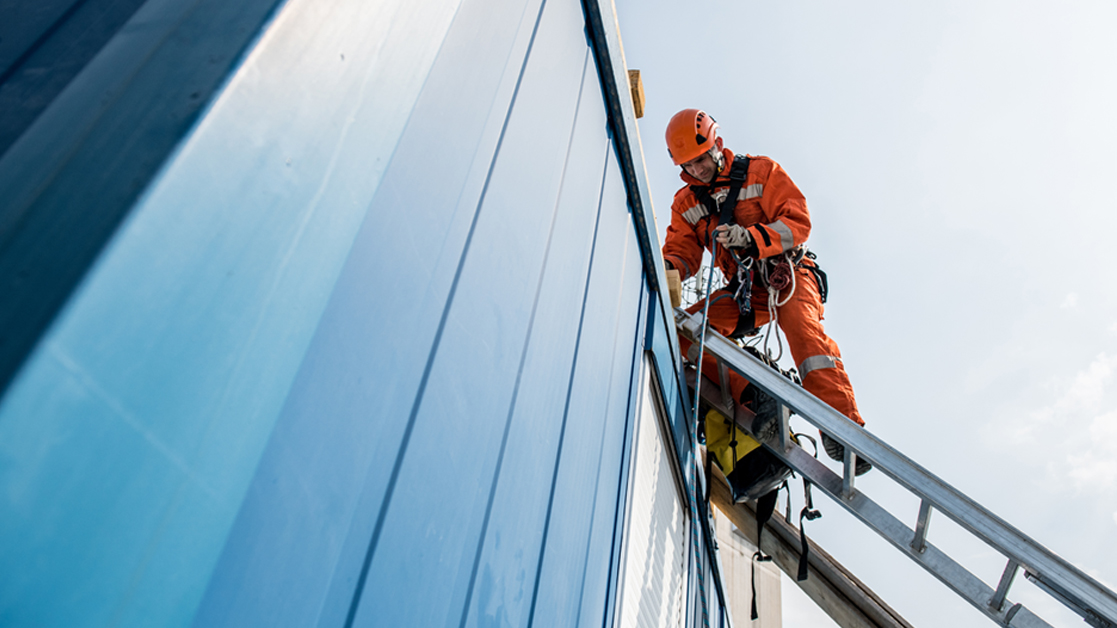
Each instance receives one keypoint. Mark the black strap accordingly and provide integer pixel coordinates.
(733, 443)
(765, 506)
(819, 277)
(821, 281)
(737, 175)
(764, 234)
(807, 514)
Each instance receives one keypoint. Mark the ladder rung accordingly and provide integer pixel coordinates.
(998, 601)
(919, 542)
(785, 427)
(848, 475)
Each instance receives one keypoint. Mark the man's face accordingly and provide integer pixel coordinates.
(702, 167)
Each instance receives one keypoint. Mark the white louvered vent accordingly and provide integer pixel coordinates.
(653, 577)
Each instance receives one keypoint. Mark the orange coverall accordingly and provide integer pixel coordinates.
(775, 213)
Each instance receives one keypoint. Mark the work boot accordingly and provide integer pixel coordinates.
(766, 425)
(837, 451)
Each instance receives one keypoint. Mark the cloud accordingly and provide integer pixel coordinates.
(1083, 394)
(1070, 301)
(1078, 431)
(1097, 465)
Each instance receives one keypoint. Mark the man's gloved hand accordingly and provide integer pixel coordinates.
(733, 236)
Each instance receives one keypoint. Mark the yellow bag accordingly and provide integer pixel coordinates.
(719, 436)
(754, 471)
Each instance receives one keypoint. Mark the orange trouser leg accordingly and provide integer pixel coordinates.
(723, 316)
(817, 357)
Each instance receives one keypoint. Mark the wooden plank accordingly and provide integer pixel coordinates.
(636, 86)
(674, 288)
(737, 569)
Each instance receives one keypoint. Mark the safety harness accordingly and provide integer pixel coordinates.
(738, 172)
(776, 273)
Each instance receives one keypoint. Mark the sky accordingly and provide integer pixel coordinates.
(960, 163)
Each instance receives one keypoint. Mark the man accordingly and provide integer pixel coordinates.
(764, 227)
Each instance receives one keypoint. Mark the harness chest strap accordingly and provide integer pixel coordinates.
(738, 172)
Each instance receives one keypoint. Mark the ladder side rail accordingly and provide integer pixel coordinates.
(1015, 545)
(968, 586)
(960, 580)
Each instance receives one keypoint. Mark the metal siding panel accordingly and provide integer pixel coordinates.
(189, 331)
(476, 366)
(580, 531)
(49, 46)
(599, 582)
(26, 23)
(76, 173)
(297, 550)
(313, 503)
(507, 569)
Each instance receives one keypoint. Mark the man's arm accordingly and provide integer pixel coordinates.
(681, 249)
(785, 208)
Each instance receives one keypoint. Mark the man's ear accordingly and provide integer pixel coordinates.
(718, 143)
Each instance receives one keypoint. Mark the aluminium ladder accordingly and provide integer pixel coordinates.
(1069, 585)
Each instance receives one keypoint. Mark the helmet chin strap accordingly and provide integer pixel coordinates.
(719, 161)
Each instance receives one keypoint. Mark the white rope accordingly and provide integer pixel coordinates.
(774, 304)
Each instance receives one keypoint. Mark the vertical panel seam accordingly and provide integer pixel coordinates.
(398, 463)
(622, 490)
(600, 458)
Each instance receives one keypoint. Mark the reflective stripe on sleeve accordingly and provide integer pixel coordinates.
(816, 362)
(787, 240)
(751, 191)
(694, 214)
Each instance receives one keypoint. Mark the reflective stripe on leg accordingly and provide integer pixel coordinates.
(816, 362)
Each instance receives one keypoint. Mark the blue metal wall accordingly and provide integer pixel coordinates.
(362, 353)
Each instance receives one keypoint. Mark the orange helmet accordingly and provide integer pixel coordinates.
(690, 133)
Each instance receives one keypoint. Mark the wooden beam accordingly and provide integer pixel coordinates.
(636, 86)
(674, 288)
